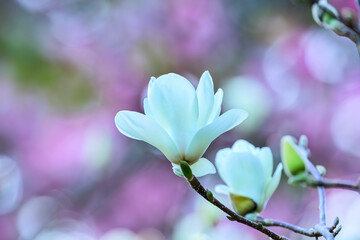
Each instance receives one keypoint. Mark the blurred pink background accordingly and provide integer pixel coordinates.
(67, 67)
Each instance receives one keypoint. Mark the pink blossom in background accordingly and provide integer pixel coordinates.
(346, 206)
(197, 27)
(19, 115)
(149, 198)
(344, 122)
(7, 227)
(57, 154)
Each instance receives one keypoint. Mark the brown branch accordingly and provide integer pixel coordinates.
(196, 185)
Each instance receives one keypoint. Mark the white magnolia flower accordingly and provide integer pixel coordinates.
(180, 121)
(247, 172)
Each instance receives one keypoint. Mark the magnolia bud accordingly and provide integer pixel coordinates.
(303, 141)
(336, 221)
(324, 14)
(321, 169)
(292, 156)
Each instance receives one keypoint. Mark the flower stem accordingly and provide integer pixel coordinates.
(196, 185)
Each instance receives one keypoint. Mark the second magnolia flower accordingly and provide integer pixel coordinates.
(247, 172)
(181, 121)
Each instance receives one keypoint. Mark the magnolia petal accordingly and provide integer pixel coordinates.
(223, 189)
(243, 146)
(199, 169)
(273, 184)
(147, 109)
(207, 134)
(242, 172)
(177, 170)
(205, 96)
(222, 154)
(266, 157)
(173, 103)
(151, 83)
(202, 167)
(141, 127)
(216, 106)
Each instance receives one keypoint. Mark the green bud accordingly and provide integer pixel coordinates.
(186, 170)
(209, 195)
(324, 14)
(328, 17)
(303, 141)
(336, 221)
(337, 230)
(292, 156)
(242, 205)
(321, 169)
(230, 218)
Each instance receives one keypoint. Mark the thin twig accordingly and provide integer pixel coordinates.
(349, 30)
(196, 185)
(321, 227)
(275, 223)
(322, 210)
(329, 183)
